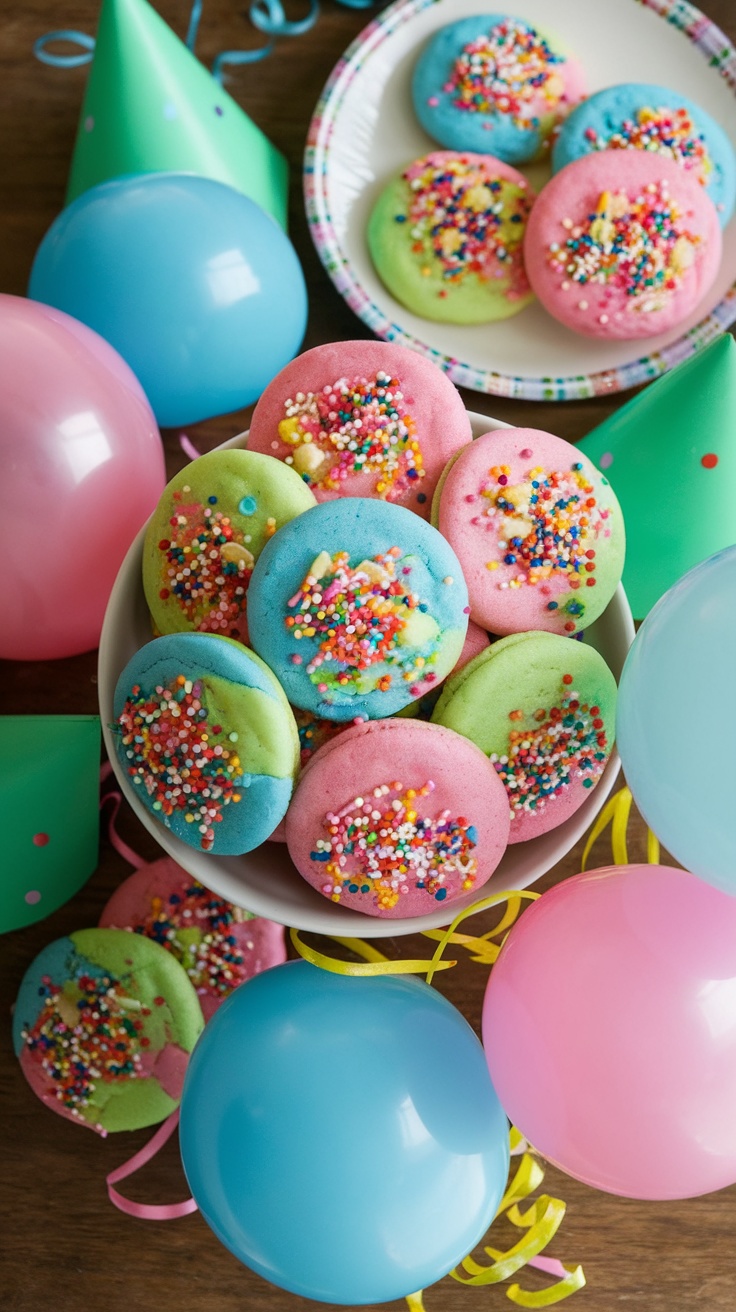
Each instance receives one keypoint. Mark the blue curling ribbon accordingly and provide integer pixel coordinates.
(239, 57)
(267, 16)
(193, 28)
(65, 61)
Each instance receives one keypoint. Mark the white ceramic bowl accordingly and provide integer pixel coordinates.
(265, 881)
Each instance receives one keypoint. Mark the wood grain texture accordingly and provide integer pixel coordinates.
(65, 1247)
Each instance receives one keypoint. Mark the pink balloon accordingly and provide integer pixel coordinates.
(609, 1026)
(82, 469)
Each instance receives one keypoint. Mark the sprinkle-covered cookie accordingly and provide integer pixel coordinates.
(496, 85)
(103, 1028)
(639, 116)
(207, 739)
(622, 244)
(360, 607)
(363, 419)
(537, 529)
(446, 238)
(396, 816)
(206, 534)
(542, 709)
(218, 944)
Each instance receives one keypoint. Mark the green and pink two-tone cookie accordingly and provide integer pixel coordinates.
(103, 1028)
(537, 529)
(542, 708)
(446, 237)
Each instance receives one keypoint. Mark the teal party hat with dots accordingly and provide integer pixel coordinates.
(670, 455)
(151, 107)
(49, 812)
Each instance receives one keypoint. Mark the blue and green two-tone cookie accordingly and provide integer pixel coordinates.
(208, 740)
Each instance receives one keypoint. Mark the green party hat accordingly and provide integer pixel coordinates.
(49, 812)
(670, 454)
(151, 107)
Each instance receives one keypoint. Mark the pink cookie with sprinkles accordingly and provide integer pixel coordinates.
(495, 84)
(362, 419)
(446, 238)
(314, 733)
(396, 817)
(103, 1027)
(219, 945)
(537, 529)
(622, 244)
(542, 709)
(205, 535)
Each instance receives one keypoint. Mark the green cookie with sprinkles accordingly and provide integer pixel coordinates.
(542, 708)
(206, 533)
(446, 238)
(103, 1027)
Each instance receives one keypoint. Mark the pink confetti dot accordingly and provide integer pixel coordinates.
(606, 460)
(89, 123)
(32, 897)
(40, 840)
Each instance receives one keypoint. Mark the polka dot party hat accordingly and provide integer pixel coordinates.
(670, 456)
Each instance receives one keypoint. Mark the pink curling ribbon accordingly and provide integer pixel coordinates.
(144, 1211)
(148, 1211)
(188, 447)
(117, 842)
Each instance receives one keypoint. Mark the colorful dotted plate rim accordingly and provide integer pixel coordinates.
(265, 881)
(318, 161)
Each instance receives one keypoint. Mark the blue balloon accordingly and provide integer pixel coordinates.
(197, 287)
(341, 1135)
(676, 720)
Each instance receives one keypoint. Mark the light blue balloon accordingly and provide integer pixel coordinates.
(197, 287)
(341, 1135)
(676, 720)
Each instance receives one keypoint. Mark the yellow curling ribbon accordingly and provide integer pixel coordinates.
(541, 1221)
(485, 950)
(375, 962)
(482, 948)
(616, 813)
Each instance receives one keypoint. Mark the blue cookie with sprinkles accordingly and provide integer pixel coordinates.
(206, 533)
(495, 85)
(360, 607)
(207, 740)
(639, 116)
(543, 709)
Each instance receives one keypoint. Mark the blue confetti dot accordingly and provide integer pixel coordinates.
(248, 506)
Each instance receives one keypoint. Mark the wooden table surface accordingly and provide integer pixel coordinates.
(66, 1248)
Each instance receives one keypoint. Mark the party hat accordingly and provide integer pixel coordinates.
(670, 454)
(151, 107)
(49, 812)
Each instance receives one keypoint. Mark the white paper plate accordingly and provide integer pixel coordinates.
(364, 131)
(265, 881)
